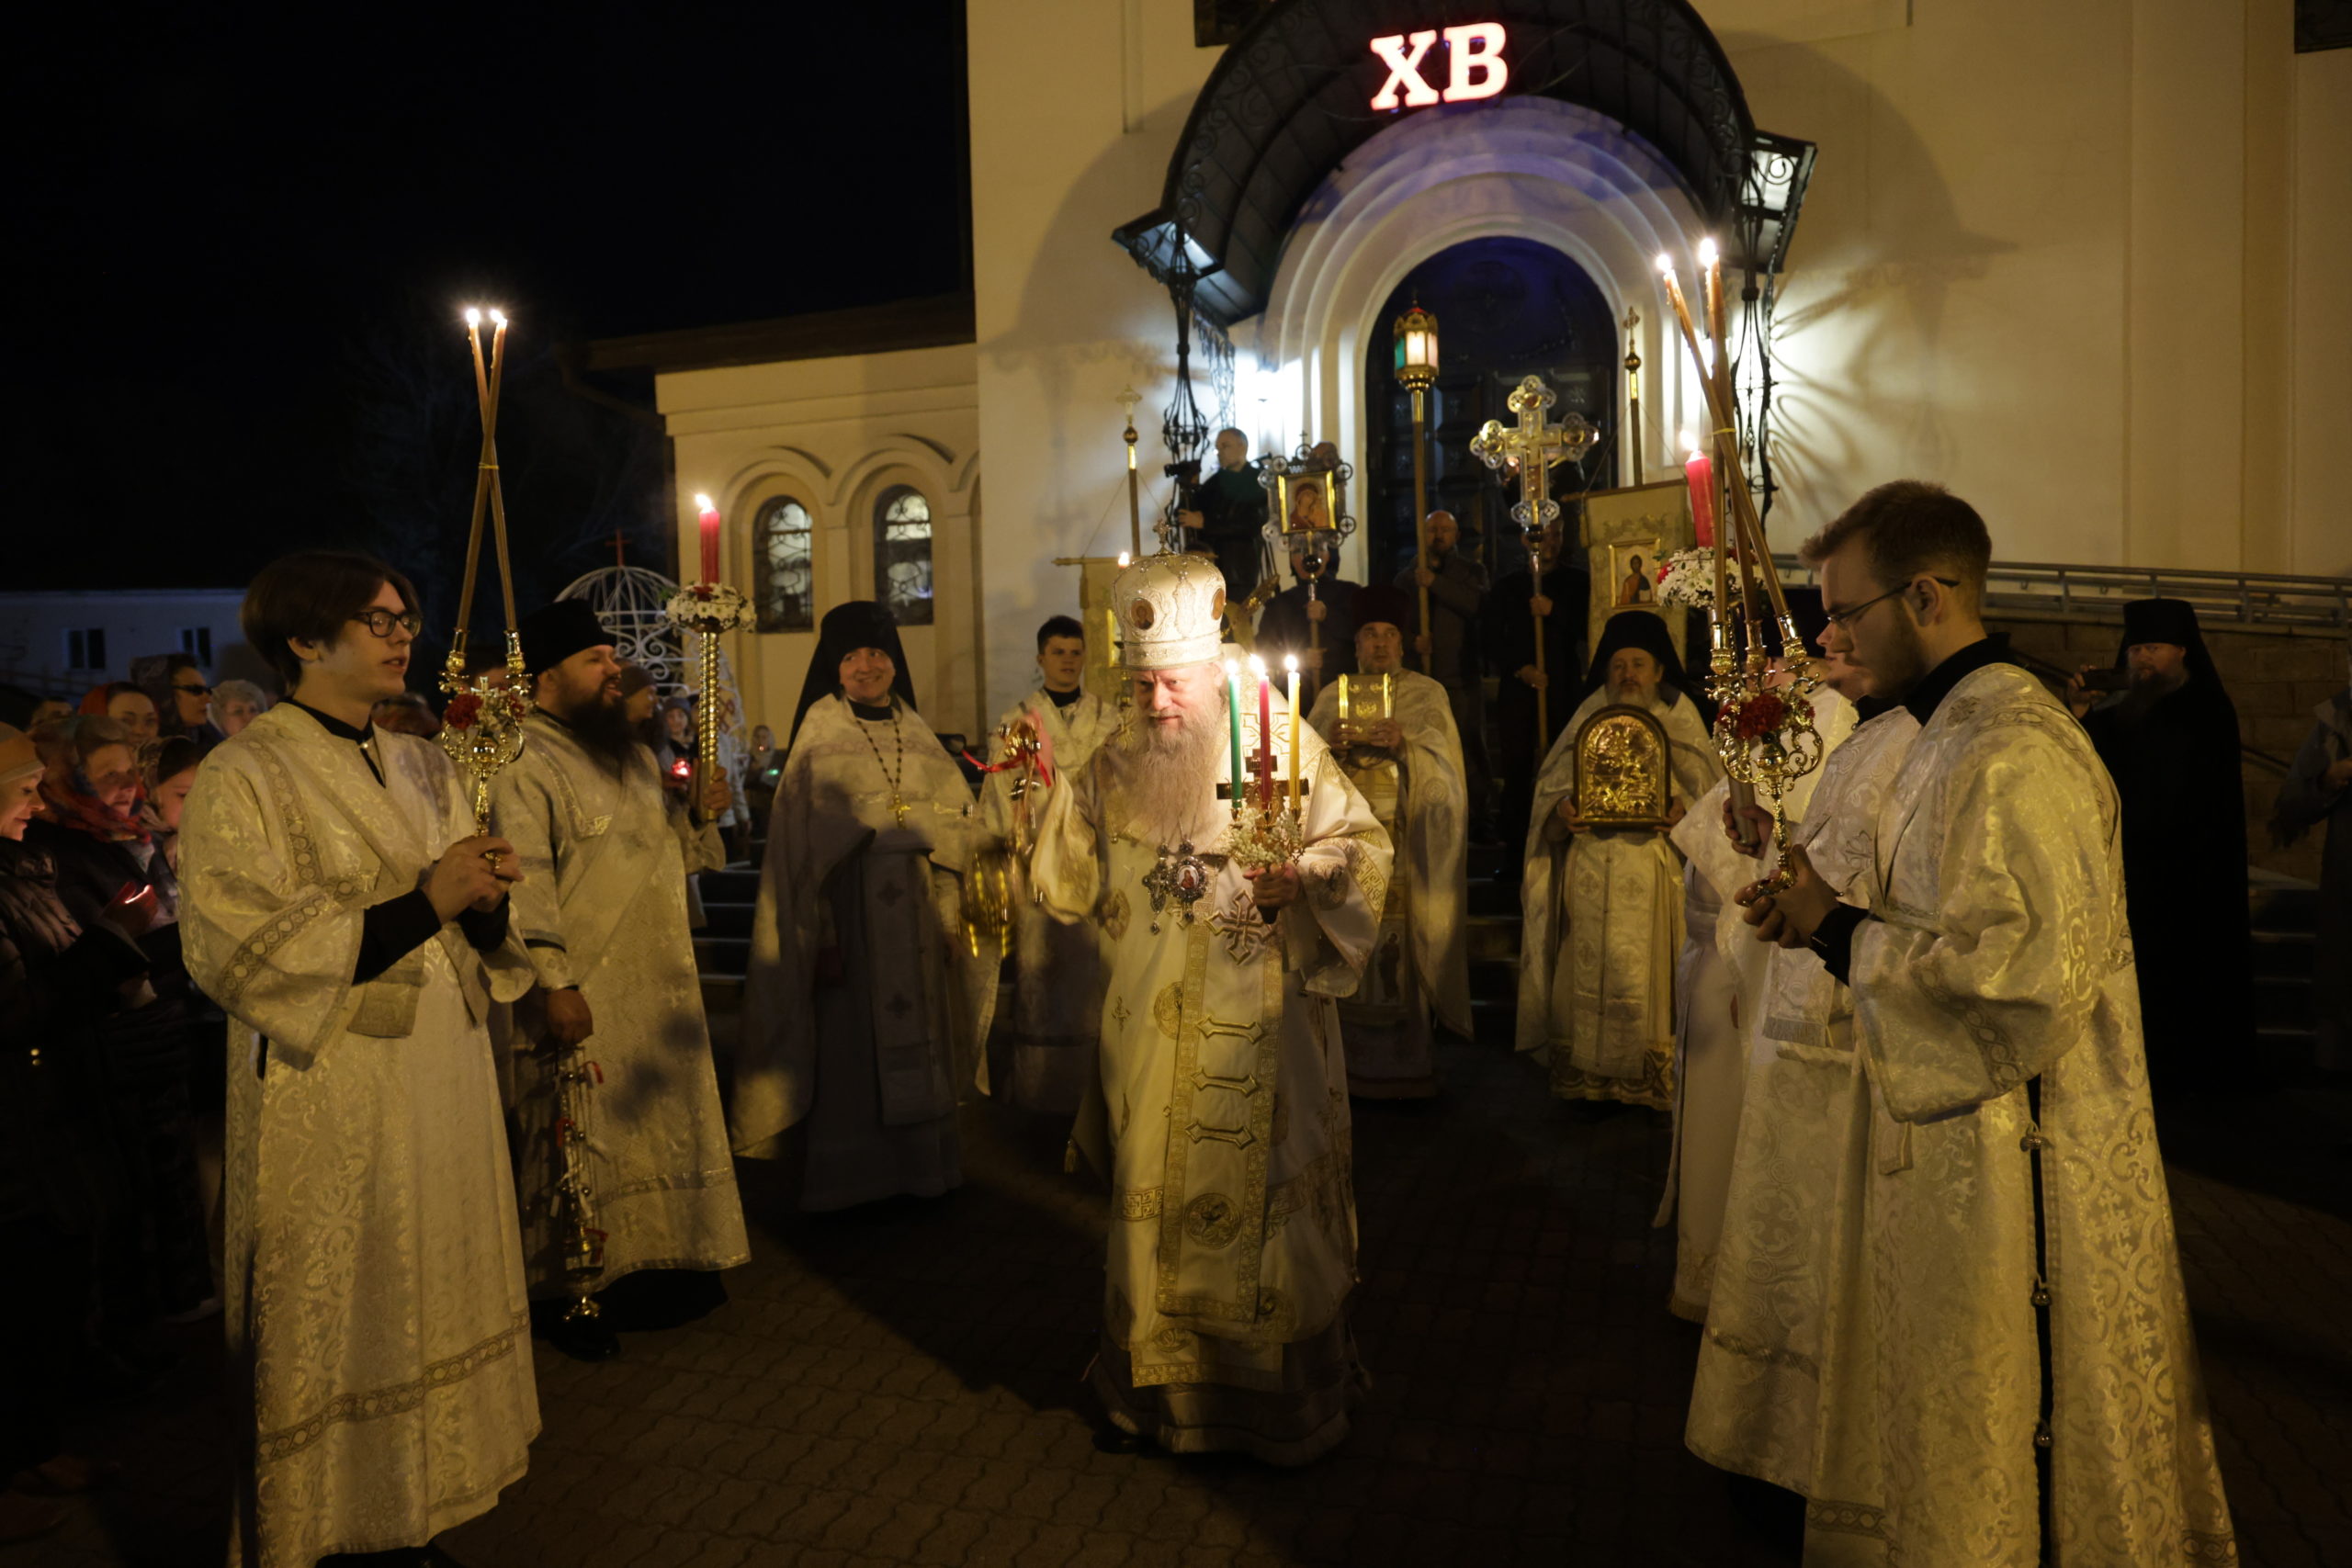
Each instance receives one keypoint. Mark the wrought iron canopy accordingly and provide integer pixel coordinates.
(1292, 98)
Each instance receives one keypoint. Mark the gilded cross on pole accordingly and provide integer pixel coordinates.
(1531, 449)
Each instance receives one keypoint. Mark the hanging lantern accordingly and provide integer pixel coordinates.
(1416, 348)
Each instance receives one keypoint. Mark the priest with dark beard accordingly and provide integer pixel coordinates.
(606, 929)
(2170, 740)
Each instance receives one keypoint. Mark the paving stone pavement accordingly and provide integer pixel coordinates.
(900, 1385)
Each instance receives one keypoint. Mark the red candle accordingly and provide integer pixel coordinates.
(1701, 475)
(1265, 733)
(710, 539)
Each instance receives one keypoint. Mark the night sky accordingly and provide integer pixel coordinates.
(248, 233)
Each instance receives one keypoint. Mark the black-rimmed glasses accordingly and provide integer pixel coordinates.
(1845, 617)
(381, 622)
(197, 691)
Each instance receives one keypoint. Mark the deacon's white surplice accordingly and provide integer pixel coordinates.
(1719, 987)
(1785, 1377)
(863, 1007)
(1224, 1087)
(1997, 1013)
(603, 907)
(1603, 926)
(1057, 983)
(374, 1277)
(1421, 963)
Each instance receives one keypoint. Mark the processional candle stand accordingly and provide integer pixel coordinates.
(706, 609)
(1531, 449)
(1306, 514)
(1268, 827)
(1764, 724)
(1416, 333)
(482, 732)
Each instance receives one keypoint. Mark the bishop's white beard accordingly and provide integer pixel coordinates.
(1164, 778)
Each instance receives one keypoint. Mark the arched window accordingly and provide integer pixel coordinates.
(782, 571)
(902, 555)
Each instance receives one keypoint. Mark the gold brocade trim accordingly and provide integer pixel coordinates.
(252, 955)
(675, 1181)
(400, 1398)
(1750, 1350)
(2199, 1546)
(1654, 1089)
(2003, 1064)
(1139, 1203)
(1844, 1519)
(1367, 875)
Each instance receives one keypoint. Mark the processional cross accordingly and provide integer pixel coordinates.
(1531, 449)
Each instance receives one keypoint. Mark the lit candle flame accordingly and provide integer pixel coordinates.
(1257, 667)
(1707, 252)
(1665, 264)
(1124, 562)
(1689, 442)
(1232, 670)
(473, 317)
(498, 318)
(1290, 662)
(702, 503)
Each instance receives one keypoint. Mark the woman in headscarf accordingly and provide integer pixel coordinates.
(129, 704)
(865, 1005)
(94, 832)
(1603, 904)
(57, 979)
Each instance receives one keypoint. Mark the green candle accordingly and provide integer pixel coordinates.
(1233, 720)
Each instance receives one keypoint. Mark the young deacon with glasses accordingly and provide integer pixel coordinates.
(338, 904)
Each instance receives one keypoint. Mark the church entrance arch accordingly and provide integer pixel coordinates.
(1506, 308)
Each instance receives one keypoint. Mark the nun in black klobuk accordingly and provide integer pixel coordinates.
(863, 1005)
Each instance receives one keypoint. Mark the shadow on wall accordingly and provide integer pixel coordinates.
(1849, 318)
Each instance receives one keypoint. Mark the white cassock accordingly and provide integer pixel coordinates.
(1718, 992)
(870, 1055)
(1421, 966)
(1603, 927)
(1224, 1107)
(374, 1277)
(1057, 969)
(1996, 1010)
(1784, 1367)
(603, 907)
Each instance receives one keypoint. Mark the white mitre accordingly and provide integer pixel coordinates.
(1168, 608)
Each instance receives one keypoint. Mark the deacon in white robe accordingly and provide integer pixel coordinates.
(1602, 907)
(1057, 969)
(1221, 1116)
(374, 1301)
(1398, 746)
(1719, 986)
(864, 1004)
(2030, 1359)
(602, 911)
(1785, 1380)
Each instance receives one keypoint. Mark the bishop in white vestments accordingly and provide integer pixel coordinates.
(1221, 1115)
(602, 911)
(2031, 1364)
(1603, 906)
(1392, 730)
(1057, 969)
(337, 903)
(865, 1005)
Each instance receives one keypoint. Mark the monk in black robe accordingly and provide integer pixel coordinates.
(2170, 739)
(1227, 512)
(1326, 645)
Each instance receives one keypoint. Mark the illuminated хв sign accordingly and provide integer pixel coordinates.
(1475, 60)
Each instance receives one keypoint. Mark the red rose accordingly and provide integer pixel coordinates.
(463, 709)
(702, 591)
(1760, 714)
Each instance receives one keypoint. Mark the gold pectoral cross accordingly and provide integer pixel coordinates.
(898, 808)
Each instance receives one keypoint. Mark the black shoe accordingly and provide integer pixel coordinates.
(654, 1299)
(582, 1339)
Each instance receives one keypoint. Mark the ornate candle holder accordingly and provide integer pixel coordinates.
(1765, 732)
(706, 609)
(1264, 837)
(481, 727)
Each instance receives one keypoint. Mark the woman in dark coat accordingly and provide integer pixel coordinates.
(57, 979)
(93, 833)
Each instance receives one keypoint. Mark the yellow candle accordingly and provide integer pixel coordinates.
(1343, 699)
(1290, 666)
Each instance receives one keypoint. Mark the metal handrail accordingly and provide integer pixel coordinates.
(2276, 602)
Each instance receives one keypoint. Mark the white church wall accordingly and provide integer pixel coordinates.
(834, 435)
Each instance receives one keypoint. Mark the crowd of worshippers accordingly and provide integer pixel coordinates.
(1897, 1083)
